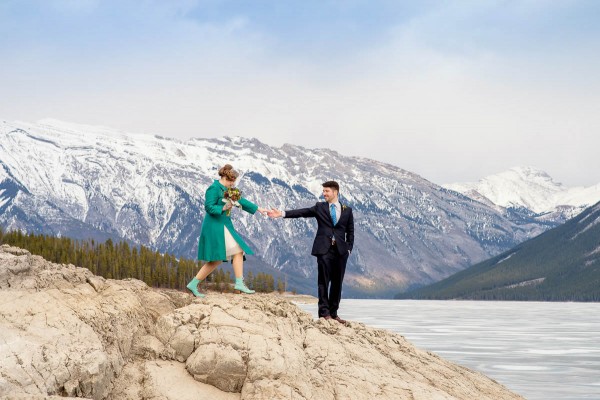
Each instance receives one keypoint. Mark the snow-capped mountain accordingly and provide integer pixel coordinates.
(531, 189)
(83, 181)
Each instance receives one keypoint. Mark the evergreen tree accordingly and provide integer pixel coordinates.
(250, 280)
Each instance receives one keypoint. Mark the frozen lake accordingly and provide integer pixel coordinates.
(540, 350)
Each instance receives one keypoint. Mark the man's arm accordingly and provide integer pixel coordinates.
(299, 213)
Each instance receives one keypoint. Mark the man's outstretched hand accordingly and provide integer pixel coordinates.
(274, 213)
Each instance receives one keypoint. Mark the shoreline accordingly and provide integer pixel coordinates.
(298, 298)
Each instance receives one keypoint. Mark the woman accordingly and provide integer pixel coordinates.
(218, 240)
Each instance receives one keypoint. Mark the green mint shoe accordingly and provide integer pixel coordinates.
(241, 286)
(193, 287)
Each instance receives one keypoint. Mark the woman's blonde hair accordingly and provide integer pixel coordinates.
(228, 172)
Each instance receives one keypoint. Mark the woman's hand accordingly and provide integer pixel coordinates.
(263, 211)
(227, 206)
(274, 213)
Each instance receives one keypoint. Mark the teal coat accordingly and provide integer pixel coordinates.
(211, 246)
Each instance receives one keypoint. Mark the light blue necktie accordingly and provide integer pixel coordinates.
(333, 214)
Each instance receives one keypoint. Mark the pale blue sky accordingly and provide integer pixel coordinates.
(451, 90)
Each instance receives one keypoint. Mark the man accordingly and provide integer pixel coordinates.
(332, 246)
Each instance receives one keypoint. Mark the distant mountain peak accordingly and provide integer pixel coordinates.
(530, 188)
(533, 175)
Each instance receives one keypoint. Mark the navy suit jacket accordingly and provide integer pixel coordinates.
(343, 231)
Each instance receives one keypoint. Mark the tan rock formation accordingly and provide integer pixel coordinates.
(66, 332)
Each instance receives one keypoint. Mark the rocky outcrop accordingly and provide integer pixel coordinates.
(65, 332)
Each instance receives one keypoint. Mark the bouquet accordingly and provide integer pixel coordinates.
(232, 195)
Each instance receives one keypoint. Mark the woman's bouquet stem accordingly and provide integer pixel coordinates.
(232, 195)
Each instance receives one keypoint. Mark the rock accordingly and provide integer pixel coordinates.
(218, 365)
(96, 282)
(66, 332)
(14, 250)
(59, 335)
(150, 348)
(165, 380)
(169, 380)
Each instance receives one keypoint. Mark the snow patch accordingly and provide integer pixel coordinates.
(594, 252)
(589, 225)
(506, 258)
(525, 283)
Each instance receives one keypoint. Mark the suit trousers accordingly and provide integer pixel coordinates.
(332, 267)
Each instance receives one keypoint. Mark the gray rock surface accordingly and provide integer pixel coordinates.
(66, 332)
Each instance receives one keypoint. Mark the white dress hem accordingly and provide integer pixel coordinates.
(231, 246)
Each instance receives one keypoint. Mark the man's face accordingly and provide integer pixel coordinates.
(329, 194)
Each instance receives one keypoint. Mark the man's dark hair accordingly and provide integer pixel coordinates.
(332, 184)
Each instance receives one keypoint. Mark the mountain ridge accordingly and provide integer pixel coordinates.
(561, 264)
(84, 181)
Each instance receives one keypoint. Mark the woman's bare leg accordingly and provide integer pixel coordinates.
(238, 265)
(207, 269)
(238, 270)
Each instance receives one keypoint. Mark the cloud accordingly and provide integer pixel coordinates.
(452, 91)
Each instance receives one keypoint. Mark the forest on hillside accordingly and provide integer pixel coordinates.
(121, 260)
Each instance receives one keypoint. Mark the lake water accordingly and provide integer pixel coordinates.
(539, 350)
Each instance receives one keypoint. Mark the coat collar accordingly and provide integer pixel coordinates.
(217, 183)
